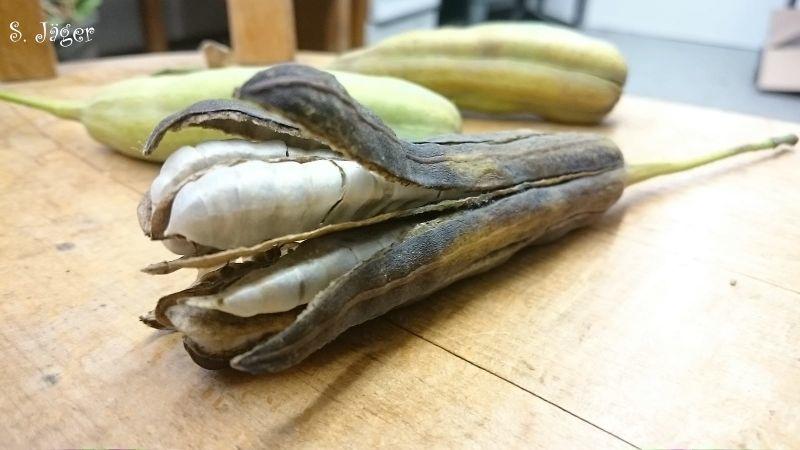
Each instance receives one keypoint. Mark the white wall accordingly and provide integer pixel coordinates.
(561, 9)
(730, 23)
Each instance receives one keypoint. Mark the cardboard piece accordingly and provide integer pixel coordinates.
(780, 60)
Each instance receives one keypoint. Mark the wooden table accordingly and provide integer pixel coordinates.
(673, 323)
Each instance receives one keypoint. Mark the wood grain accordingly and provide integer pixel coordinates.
(359, 10)
(262, 31)
(153, 26)
(25, 59)
(676, 310)
(323, 24)
(629, 331)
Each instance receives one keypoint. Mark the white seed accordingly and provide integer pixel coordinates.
(241, 204)
(299, 276)
(192, 159)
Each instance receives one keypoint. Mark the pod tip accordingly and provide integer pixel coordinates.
(65, 109)
(788, 139)
(160, 268)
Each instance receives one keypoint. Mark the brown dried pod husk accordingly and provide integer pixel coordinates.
(525, 188)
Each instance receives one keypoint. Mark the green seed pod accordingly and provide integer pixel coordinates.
(265, 307)
(553, 72)
(122, 115)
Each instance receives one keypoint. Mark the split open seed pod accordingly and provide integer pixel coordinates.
(323, 218)
(380, 222)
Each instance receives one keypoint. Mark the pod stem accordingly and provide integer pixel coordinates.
(65, 109)
(645, 171)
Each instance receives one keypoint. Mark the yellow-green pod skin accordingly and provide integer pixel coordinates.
(124, 113)
(509, 68)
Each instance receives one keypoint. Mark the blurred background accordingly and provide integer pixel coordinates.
(705, 52)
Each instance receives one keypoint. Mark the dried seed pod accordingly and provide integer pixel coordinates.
(516, 189)
(121, 115)
(551, 71)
